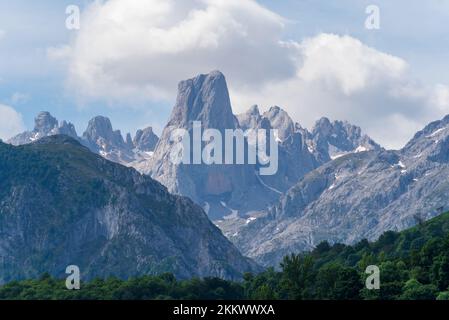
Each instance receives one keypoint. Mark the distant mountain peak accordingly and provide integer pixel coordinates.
(103, 139)
(99, 126)
(99, 137)
(434, 128)
(204, 98)
(44, 125)
(281, 121)
(254, 110)
(146, 139)
(250, 119)
(332, 139)
(321, 124)
(432, 142)
(45, 122)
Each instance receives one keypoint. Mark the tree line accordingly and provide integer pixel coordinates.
(413, 264)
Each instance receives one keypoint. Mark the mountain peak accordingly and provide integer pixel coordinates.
(254, 110)
(275, 109)
(337, 138)
(45, 122)
(250, 119)
(431, 142)
(204, 98)
(322, 122)
(99, 126)
(44, 125)
(145, 139)
(101, 138)
(215, 74)
(281, 121)
(432, 128)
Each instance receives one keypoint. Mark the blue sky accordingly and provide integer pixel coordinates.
(413, 31)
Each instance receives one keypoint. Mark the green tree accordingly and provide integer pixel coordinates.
(414, 290)
(298, 276)
(443, 295)
(440, 271)
(336, 282)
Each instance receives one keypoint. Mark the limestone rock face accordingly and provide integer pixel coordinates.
(356, 196)
(222, 189)
(102, 139)
(330, 140)
(145, 140)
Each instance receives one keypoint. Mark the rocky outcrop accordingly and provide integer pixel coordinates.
(102, 139)
(145, 140)
(44, 125)
(330, 140)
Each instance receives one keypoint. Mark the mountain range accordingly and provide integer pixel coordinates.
(61, 205)
(222, 191)
(358, 196)
(334, 182)
(99, 137)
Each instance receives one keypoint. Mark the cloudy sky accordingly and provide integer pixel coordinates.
(313, 58)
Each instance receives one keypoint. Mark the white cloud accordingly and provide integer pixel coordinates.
(10, 122)
(341, 78)
(440, 96)
(347, 63)
(2, 33)
(136, 47)
(142, 48)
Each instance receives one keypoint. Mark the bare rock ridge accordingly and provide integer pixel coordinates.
(250, 119)
(331, 140)
(45, 125)
(99, 137)
(144, 140)
(356, 196)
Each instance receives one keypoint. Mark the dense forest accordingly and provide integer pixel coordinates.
(414, 264)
